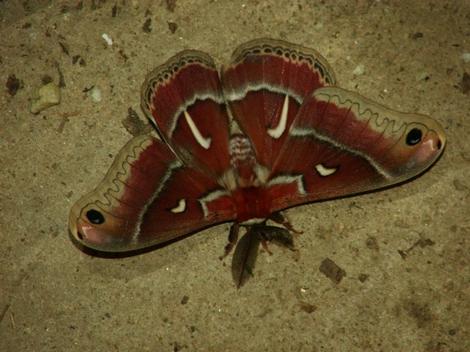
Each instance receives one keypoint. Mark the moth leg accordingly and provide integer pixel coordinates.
(278, 235)
(264, 243)
(232, 239)
(281, 219)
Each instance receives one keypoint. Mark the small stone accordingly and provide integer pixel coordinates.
(359, 70)
(107, 39)
(48, 95)
(466, 57)
(95, 94)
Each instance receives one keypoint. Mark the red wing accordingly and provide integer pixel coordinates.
(148, 197)
(183, 97)
(341, 143)
(265, 86)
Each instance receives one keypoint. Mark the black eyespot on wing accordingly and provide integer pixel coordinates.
(414, 136)
(95, 217)
(439, 144)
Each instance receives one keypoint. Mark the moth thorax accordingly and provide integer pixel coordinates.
(242, 160)
(240, 149)
(252, 203)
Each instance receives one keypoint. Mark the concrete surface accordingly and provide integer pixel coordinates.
(405, 251)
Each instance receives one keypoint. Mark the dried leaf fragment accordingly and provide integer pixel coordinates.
(332, 271)
(134, 125)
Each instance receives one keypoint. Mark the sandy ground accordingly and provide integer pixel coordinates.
(405, 251)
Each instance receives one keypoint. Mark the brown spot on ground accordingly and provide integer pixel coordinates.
(172, 26)
(372, 243)
(332, 271)
(170, 5)
(420, 312)
(147, 26)
(465, 83)
(13, 84)
(307, 307)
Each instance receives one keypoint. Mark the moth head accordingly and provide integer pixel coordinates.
(419, 146)
(94, 227)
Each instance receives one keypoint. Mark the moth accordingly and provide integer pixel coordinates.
(270, 131)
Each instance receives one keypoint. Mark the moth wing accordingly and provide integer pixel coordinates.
(183, 97)
(341, 143)
(147, 197)
(265, 85)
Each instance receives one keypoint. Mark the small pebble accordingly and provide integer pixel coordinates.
(466, 57)
(95, 94)
(107, 39)
(48, 95)
(359, 70)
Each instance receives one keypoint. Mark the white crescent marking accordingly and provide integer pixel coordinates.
(277, 131)
(325, 171)
(181, 207)
(311, 132)
(204, 142)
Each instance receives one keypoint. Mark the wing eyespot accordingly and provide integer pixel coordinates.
(95, 217)
(414, 136)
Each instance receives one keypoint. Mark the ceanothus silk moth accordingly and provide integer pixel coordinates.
(271, 131)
